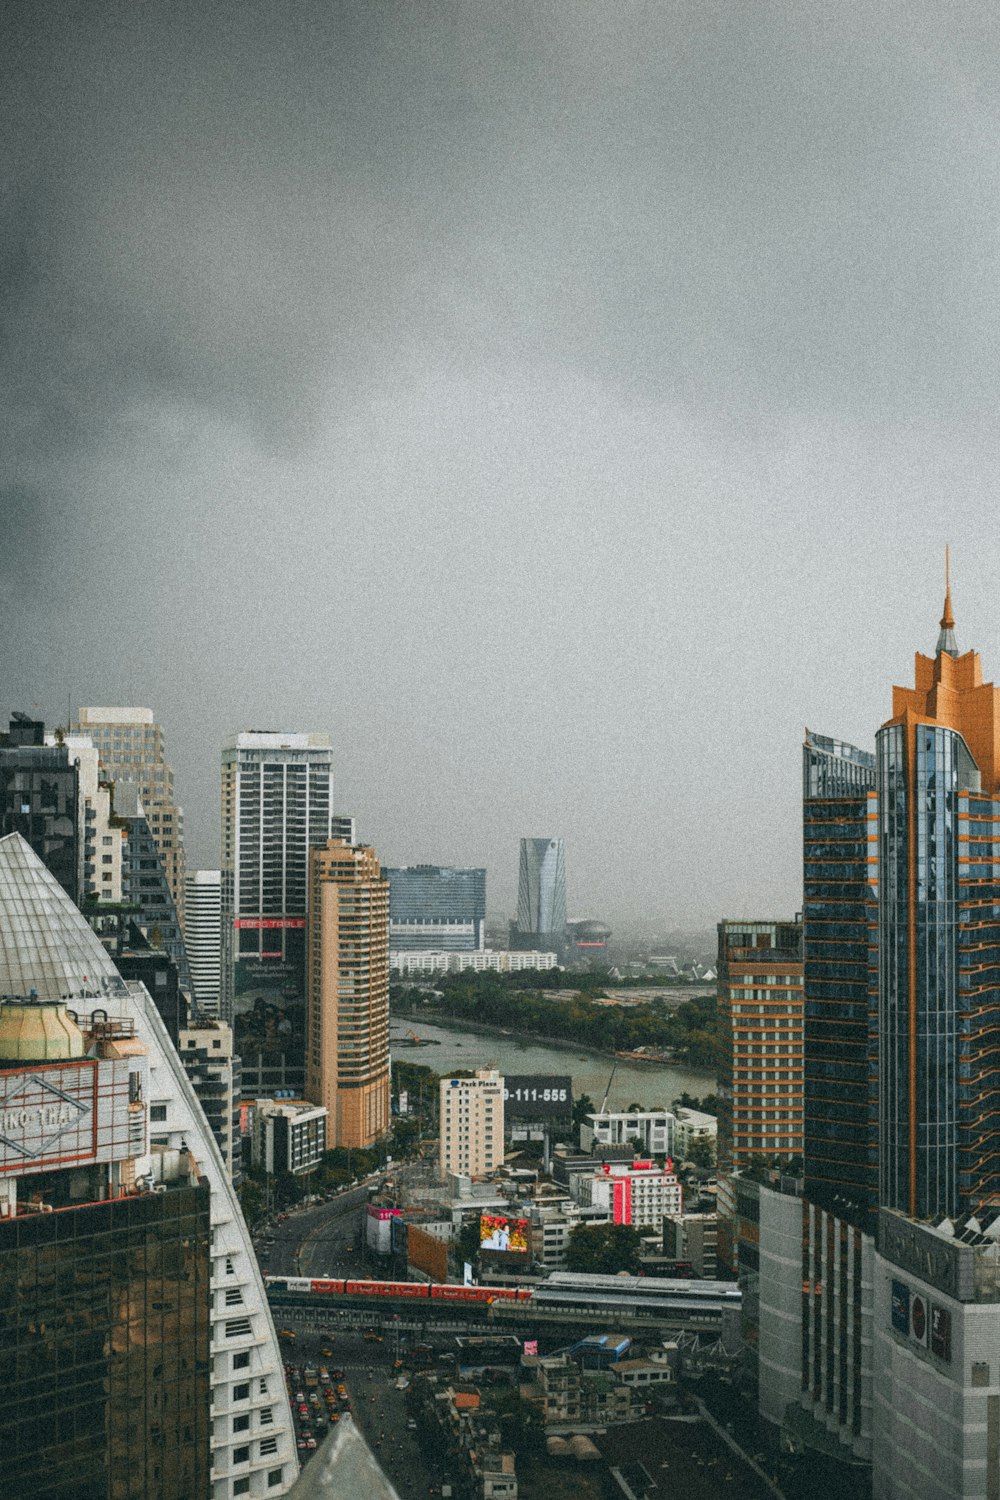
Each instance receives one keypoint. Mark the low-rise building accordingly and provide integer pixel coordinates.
(694, 1125)
(639, 1194)
(649, 1131)
(485, 960)
(289, 1135)
(693, 1237)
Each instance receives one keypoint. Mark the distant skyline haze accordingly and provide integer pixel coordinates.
(559, 405)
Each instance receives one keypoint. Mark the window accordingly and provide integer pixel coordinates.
(241, 1393)
(274, 1477)
(242, 1423)
(237, 1328)
(268, 1445)
(241, 1361)
(157, 1112)
(242, 1456)
(234, 1297)
(263, 1387)
(242, 1486)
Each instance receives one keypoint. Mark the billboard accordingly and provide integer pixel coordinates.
(538, 1096)
(71, 1113)
(900, 1307)
(940, 1331)
(496, 1232)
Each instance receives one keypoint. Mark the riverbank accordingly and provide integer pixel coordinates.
(557, 1043)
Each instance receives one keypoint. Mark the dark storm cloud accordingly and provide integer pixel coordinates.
(547, 399)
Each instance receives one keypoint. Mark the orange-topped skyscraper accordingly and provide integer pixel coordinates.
(902, 949)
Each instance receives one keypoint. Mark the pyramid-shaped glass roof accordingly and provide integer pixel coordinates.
(46, 944)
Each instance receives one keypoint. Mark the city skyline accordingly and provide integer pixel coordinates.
(632, 366)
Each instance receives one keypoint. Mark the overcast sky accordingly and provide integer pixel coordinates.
(559, 404)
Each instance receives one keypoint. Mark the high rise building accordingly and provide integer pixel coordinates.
(436, 908)
(46, 946)
(541, 895)
(889, 1341)
(203, 938)
(132, 747)
(105, 1343)
(277, 804)
(840, 984)
(205, 1047)
(347, 1057)
(40, 799)
(759, 1092)
(472, 1124)
(146, 889)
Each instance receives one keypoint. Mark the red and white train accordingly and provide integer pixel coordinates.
(436, 1291)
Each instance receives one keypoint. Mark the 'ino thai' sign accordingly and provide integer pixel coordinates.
(48, 1117)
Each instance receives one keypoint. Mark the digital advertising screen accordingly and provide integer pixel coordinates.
(496, 1232)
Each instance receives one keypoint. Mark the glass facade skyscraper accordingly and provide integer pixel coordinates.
(902, 951)
(541, 895)
(435, 907)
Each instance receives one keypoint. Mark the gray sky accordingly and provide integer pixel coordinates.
(560, 404)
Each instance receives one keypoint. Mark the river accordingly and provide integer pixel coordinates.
(649, 1084)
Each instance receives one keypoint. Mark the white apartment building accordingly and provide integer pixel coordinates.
(481, 961)
(277, 804)
(289, 1135)
(46, 945)
(640, 1194)
(100, 844)
(694, 1125)
(132, 747)
(653, 1129)
(472, 1124)
(203, 938)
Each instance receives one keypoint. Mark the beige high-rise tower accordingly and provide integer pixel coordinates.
(132, 748)
(347, 1027)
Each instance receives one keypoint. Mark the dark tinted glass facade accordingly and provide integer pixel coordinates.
(840, 985)
(39, 799)
(104, 1350)
(939, 1015)
(145, 884)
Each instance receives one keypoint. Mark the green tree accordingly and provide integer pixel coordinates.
(583, 1106)
(701, 1152)
(603, 1249)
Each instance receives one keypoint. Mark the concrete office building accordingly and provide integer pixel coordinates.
(203, 938)
(693, 1237)
(277, 804)
(471, 1124)
(289, 1135)
(759, 1089)
(436, 908)
(541, 896)
(46, 946)
(105, 1349)
(205, 1047)
(347, 1051)
(132, 747)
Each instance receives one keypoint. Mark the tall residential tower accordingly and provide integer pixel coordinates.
(277, 804)
(347, 1056)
